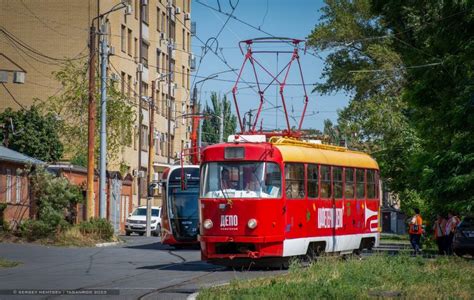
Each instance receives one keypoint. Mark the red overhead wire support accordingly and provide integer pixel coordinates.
(249, 56)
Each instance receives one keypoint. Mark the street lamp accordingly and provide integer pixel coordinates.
(103, 134)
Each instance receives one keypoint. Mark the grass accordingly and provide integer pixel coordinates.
(375, 276)
(4, 263)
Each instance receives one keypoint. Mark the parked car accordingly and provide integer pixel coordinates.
(136, 222)
(463, 242)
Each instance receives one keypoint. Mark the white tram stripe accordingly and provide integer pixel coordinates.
(339, 243)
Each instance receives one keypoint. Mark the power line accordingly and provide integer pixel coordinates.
(13, 97)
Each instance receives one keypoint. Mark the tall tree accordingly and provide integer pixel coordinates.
(363, 63)
(211, 123)
(31, 133)
(435, 39)
(71, 105)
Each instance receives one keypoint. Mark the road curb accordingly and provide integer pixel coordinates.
(108, 244)
(193, 296)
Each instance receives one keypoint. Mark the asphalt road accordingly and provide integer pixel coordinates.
(140, 268)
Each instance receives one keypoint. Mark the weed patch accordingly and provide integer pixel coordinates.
(376, 276)
(4, 263)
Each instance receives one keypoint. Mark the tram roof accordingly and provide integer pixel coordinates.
(337, 157)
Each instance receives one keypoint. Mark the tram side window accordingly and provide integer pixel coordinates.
(272, 180)
(360, 190)
(349, 188)
(337, 179)
(313, 189)
(371, 185)
(294, 175)
(325, 182)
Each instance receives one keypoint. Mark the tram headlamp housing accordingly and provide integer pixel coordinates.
(207, 224)
(252, 223)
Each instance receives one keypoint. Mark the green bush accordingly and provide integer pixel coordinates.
(3, 224)
(36, 229)
(100, 229)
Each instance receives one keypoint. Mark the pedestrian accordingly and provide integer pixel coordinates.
(439, 233)
(415, 231)
(451, 224)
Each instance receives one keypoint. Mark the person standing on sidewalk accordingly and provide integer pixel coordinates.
(439, 233)
(453, 222)
(415, 231)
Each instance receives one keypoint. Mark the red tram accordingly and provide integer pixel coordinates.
(180, 213)
(269, 201)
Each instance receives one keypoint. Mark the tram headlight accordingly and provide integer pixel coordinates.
(207, 224)
(252, 223)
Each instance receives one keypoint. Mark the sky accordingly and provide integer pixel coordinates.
(282, 18)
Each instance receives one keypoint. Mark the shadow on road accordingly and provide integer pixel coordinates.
(151, 246)
(192, 266)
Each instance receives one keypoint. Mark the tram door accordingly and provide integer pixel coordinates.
(295, 206)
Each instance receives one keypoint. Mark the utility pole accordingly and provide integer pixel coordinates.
(221, 123)
(140, 115)
(90, 203)
(103, 120)
(170, 53)
(250, 119)
(150, 157)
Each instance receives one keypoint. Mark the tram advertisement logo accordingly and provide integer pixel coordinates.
(326, 218)
(229, 222)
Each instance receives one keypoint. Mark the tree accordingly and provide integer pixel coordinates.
(72, 107)
(31, 133)
(363, 63)
(435, 38)
(211, 124)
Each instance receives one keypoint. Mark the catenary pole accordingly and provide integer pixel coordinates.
(103, 118)
(170, 53)
(140, 113)
(91, 127)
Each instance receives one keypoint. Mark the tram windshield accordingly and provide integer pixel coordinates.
(184, 203)
(241, 180)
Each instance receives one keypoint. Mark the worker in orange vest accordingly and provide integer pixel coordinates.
(439, 233)
(415, 231)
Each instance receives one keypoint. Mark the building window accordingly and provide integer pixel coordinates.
(360, 185)
(123, 39)
(183, 76)
(163, 20)
(129, 86)
(135, 138)
(349, 183)
(144, 138)
(294, 175)
(187, 79)
(188, 40)
(137, 8)
(122, 83)
(172, 70)
(136, 49)
(337, 180)
(130, 40)
(158, 57)
(145, 54)
(184, 39)
(145, 11)
(9, 186)
(163, 105)
(18, 189)
(162, 144)
(157, 101)
(158, 18)
(144, 93)
(325, 182)
(313, 190)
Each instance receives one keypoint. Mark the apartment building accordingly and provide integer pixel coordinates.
(36, 37)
